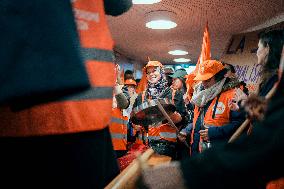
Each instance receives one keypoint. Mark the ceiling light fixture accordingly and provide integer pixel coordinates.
(146, 2)
(160, 20)
(182, 60)
(161, 24)
(178, 52)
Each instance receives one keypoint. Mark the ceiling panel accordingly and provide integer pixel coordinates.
(225, 18)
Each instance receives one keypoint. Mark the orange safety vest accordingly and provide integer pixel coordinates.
(221, 116)
(86, 111)
(162, 132)
(118, 129)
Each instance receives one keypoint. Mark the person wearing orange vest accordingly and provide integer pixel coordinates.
(118, 130)
(213, 120)
(118, 124)
(162, 138)
(130, 84)
(64, 143)
(251, 161)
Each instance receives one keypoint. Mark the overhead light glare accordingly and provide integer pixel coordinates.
(145, 2)
(182, 60)
(161, 24)
(178, 52)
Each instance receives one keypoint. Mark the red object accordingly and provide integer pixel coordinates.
(132, 154)
(142, 83)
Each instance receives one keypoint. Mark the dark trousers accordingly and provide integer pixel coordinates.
(82, 160)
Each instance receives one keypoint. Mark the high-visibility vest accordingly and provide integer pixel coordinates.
(217, 114)
(118, 129)
(162, 132)
(86, 111)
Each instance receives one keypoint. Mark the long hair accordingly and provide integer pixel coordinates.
(274, 40)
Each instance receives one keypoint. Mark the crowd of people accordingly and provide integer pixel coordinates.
(219, 104)
(71, 132)
(252, 161)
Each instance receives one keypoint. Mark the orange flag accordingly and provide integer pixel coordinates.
(205, 50)
(142, 83)
(204, 55)
(190, 84)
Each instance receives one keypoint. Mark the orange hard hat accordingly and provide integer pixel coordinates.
(154, 63)
(130, 82)
(208, 69)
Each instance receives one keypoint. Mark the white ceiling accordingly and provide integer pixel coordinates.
(225, 18)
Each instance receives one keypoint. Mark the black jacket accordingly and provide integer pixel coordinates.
(40, 57)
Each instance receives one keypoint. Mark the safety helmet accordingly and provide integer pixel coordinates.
(208, 69)
(130, 82)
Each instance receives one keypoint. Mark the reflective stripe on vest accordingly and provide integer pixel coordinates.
(93, 93)
(163, 131)
(167, 132)
(97, 54)
(118, 129)
(154, 137)
(118, 121)
(96, 50)
(168, 135)
(87, 111)
(118, 136)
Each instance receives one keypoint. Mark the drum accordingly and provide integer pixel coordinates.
(148, 112)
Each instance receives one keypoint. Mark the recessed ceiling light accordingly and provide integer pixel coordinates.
(182, 60)
(161, 24)
(178, 52)
(145, 1)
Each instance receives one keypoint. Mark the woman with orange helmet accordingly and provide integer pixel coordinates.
(162, 138)
(213, 120)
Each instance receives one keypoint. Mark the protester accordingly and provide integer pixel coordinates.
(64, 142)
(213, 121)
(119, 121)
(162, 138)
(128, 74)
(249, 162)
